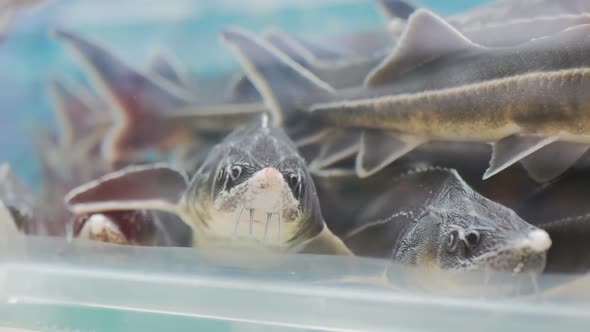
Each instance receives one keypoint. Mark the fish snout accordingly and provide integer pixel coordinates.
(525, 255)
(537, 240)
(266, 190)
(272, 177)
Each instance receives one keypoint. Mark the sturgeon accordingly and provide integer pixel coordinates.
(253, 191)
(494, 12)
(529, 100)
(431, 218)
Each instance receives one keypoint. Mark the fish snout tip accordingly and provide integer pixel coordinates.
(272, 176)
(538, 240)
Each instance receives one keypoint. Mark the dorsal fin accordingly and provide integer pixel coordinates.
(284, 84)
(426, 37)
(163, 64)
(140, 103)
(147, 187)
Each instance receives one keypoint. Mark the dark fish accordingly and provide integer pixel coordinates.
(432, 218)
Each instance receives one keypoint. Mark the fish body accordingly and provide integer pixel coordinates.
(438, 85)
(431, 218)
(252, 191)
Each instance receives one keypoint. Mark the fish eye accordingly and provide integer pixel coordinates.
(452, 241)
(472, 238)
(235, 172)
(295, 183)
(294, 180)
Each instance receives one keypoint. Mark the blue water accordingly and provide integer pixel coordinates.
(133, 27)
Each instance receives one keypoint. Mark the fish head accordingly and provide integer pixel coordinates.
(254, 188)
(484, 235)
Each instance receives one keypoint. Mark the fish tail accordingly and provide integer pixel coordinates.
(140, 103)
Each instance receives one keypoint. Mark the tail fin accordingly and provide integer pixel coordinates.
(139, 102)
(286, 87)
(78, 113)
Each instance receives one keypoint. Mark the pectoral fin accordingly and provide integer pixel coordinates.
(380, 148)
(512, 149)
(151, 187)
(326, 243)
(553, 160)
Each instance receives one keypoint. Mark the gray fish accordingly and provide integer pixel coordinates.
(526, 99)
(494, 12)
(432, 218)
(342, 193)
(508, 31)
(253, 191)
(501, 10)
(150, 113)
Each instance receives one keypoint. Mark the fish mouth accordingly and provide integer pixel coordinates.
(525, 255)
(261, 210)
